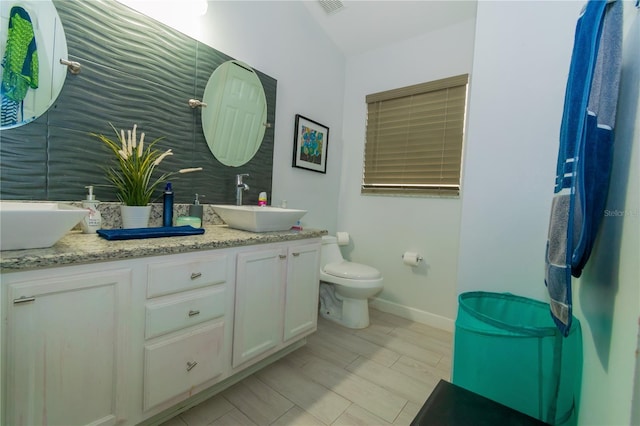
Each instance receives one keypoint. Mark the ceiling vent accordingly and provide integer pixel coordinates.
(331, 6)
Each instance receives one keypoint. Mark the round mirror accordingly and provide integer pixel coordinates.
(234, 119)
(32, 42)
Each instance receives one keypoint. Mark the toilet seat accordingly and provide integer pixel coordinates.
(352, 271)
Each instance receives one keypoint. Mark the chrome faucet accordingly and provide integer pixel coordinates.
(240, 186)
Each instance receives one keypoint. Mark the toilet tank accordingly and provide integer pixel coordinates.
(330, 251)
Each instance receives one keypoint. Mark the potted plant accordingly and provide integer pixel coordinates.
(132, 174)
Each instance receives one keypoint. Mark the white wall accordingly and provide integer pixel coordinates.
(607, 295)
(520, 67)
(382, 227)
(282, 40)
(517, 94)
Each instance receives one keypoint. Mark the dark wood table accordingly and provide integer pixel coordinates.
(452, 405)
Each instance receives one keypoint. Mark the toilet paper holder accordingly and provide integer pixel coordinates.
(411, 258)
(343, 238)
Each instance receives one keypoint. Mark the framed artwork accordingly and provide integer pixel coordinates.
(310, 144)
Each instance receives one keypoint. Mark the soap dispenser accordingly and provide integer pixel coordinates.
(196, 209)
(93, 221)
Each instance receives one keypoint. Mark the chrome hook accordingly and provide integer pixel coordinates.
(73, 66)
(195, 103)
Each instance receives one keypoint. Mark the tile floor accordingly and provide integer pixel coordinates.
(377, 376)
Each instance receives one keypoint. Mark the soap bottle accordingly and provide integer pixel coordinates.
(262, 199)
(196, 209)
(167, 206)
(93, 221)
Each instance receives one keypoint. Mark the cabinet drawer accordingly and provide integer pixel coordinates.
(174, 366)
(184, 310)
(173, 277)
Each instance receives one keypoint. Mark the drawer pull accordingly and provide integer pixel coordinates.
(23, 299)
(194, 313)
(195, 275)
(283, 256)
(191, 364)
(296, 254)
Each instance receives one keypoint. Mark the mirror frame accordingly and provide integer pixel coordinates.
(51, 46)
(234, 119)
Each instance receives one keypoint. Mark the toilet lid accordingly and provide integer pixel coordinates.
(351, 270)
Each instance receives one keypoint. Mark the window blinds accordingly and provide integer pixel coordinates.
(414, 138)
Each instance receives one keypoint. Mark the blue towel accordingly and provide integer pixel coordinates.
(585, 153)
(140, 233)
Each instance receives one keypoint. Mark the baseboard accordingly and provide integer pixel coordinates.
(413, 314)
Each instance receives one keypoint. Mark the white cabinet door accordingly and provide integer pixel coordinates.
(259, 303)
(66, 349)
(301, 297)
(173, 366)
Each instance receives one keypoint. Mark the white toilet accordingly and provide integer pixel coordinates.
(345, 287)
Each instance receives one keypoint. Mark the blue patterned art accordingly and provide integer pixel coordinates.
(312, 142)
(310, 145)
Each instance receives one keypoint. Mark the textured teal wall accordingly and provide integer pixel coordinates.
(134, 70)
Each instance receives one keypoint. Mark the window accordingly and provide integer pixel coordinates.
(414, 139)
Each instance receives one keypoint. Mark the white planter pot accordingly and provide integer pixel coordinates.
(135, 216)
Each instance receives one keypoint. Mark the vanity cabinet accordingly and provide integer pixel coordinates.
(276, 298)
(126, 341)
(66, 348)
(188, 309)
(301, 291)
(259, 303)
(176, 365)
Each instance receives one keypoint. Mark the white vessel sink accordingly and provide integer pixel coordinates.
(258, 219)
(35, 225)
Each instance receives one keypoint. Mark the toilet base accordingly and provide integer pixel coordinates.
(348, 312)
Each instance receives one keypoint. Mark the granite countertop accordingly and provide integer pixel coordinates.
(77, 248)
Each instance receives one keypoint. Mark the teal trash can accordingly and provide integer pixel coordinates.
(508, 349)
